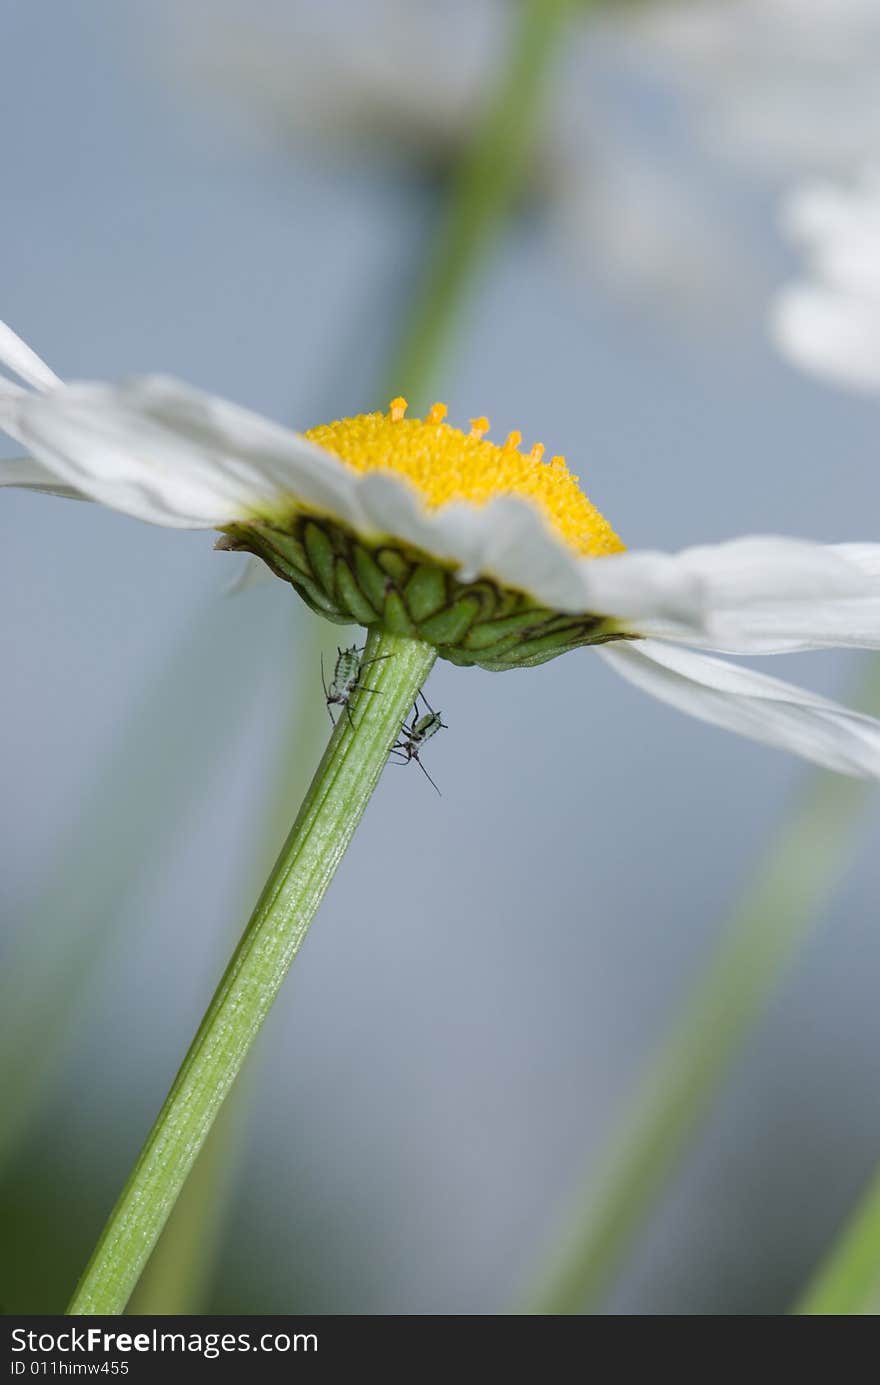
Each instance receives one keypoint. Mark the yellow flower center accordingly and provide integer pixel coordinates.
(445, 464)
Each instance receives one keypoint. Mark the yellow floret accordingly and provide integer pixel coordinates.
(445, 464)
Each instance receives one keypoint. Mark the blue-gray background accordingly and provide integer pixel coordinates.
(491, 968)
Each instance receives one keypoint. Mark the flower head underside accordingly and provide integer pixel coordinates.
(485, 551)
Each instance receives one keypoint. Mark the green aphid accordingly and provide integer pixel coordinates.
(414, 736)
(346, 679)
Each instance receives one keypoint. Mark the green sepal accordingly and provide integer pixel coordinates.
(449, 627)
(426, 591)
(319, 551)
(351, 598)
(396, 617)
(347, 580)
(508, 630)
(369, 577)
(394, 564)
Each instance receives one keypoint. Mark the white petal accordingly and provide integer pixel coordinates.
(819, 213)
(764, 709)
(10, 398)
(867, 555)
(506, 539)
(27, 474)
(833, 334)
(253, 573)
(757, 595)
(23, 362)
(166, 453)
(840, 227)
(851, 263)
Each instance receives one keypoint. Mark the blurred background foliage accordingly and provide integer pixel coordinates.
(246, 195)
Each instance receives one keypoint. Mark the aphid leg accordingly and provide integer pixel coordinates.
(326, 693)
(358, 687)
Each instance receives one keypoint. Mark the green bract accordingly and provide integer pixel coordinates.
(410, 594)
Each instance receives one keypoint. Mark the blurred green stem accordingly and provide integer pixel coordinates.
(186, 709)
(848, 1284)
(333, 807)
(781, 907)
(485, 185)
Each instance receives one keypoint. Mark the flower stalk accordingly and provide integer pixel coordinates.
(333, 807)
(486, 184)
(353, 762)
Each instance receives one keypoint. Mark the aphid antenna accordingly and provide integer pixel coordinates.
(405, 752)
(421, 695)
(426, 774)
(438, 715)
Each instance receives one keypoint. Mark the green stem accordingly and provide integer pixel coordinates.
(483, 191)
(782, 906)
(178, 1276)
(333, 807)
(485, 185)
(482, 195)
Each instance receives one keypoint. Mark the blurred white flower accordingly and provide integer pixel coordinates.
(402, 82)
(493, 555)
(830, 322)
(781, 84)
(394, 79)
(784, 84)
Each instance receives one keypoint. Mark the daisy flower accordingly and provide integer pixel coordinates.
(829, 323)
(489, 553)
